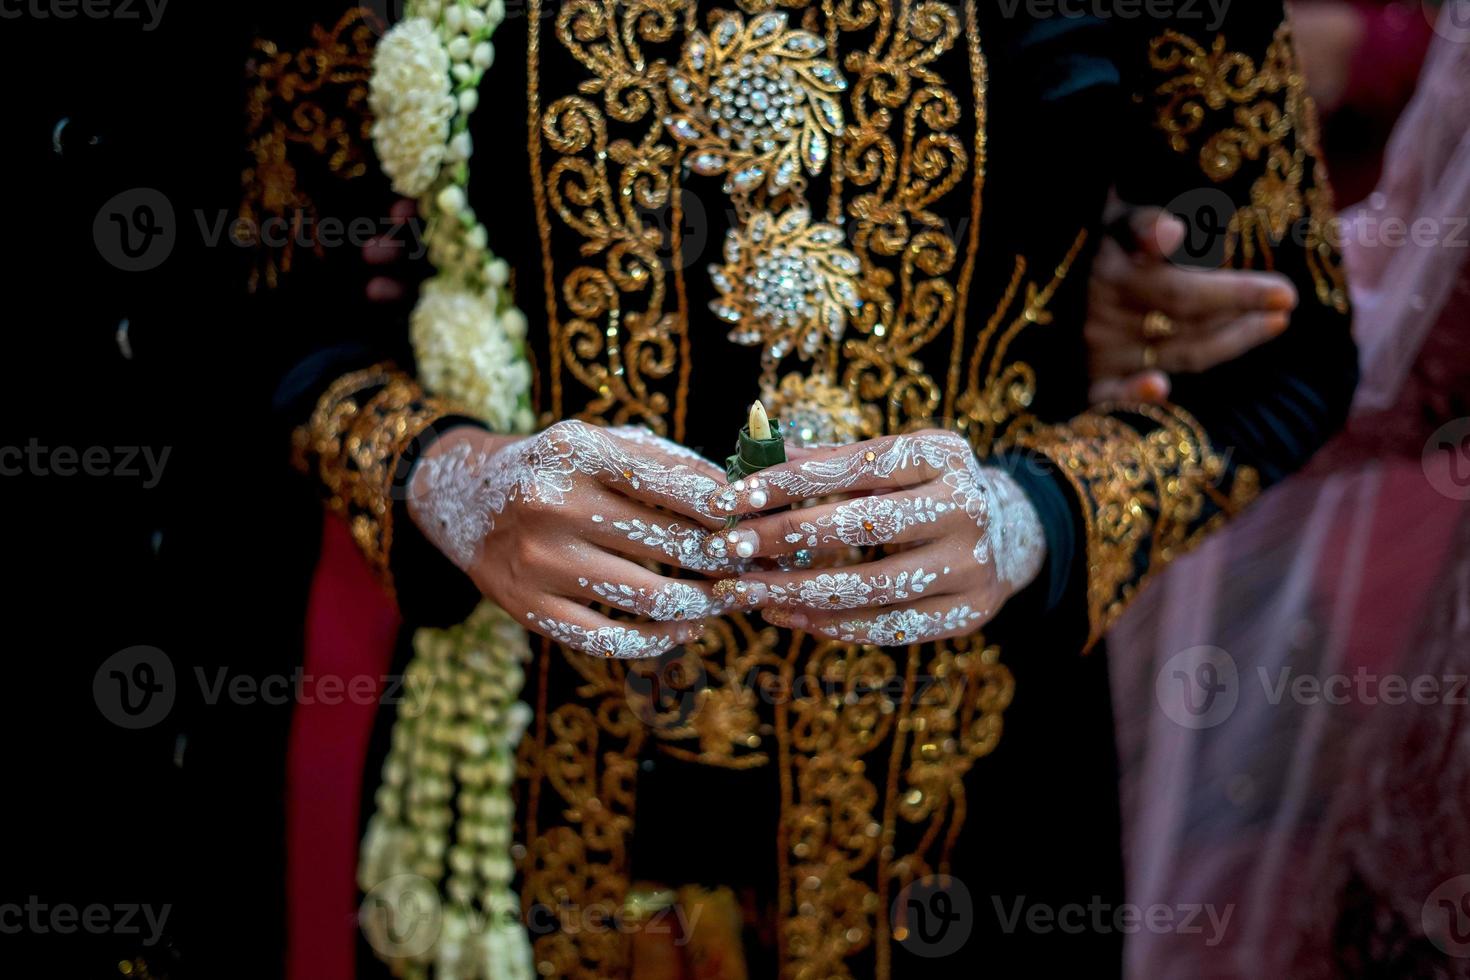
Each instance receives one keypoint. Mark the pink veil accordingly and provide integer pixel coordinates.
(1291, 699)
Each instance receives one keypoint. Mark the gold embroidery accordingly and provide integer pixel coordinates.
(615, 336)
(758, 105)
(303, 104)
(362, 425)
(1159, 489)
(872, 780)
(1293, 187)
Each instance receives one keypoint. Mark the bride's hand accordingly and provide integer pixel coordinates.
(970, 539)
(549, 525)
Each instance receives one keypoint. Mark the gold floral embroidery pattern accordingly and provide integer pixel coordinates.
(1150, 488)
(758, 104)
(304, 104)
(361, 426)
(787, 283)
(1274, 125)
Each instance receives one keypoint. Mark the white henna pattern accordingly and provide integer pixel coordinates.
(848, 590)
(685, 545)
(903, 626)
(457, 495)
(868, 521)
(673, 602)
(616, 642)
(819, 477)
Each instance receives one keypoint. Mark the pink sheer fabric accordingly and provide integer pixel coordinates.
(1291, 699)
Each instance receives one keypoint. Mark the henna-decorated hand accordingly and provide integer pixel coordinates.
(969, 537)
(550, 524)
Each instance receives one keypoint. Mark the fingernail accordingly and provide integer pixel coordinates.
(1281, 298)
(784, 617)
(1277, 322)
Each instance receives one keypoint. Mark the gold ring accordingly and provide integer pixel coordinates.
(1158, 325)
(1150, 357)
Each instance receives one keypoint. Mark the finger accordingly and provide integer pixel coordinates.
(629, 586)
(1145, 386)
(1185, 294)
(927, 571)
(1157, 233)
(403, 209)
(667, 450)
(628, 529)
(863, 522)
(889, 463)
(933, 618)
(1240, 334)
(628, 469)
(580, 628)
(384, 289)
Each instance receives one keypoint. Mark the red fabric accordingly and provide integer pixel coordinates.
(351, 627)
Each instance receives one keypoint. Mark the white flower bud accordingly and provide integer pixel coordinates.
(451, 199)
(498, 273)
(513, 322)
(468, 100)
(460, 48)
(496, 10)
(476, 238)
(454, 19)
(474, 21)
(484, 55)
(462, 72)
(461, 146)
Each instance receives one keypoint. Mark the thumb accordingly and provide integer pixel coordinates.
(1157, 234)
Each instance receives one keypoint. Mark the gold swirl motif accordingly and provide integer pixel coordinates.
(304, 108)
(1275, 125)
(610, 330)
